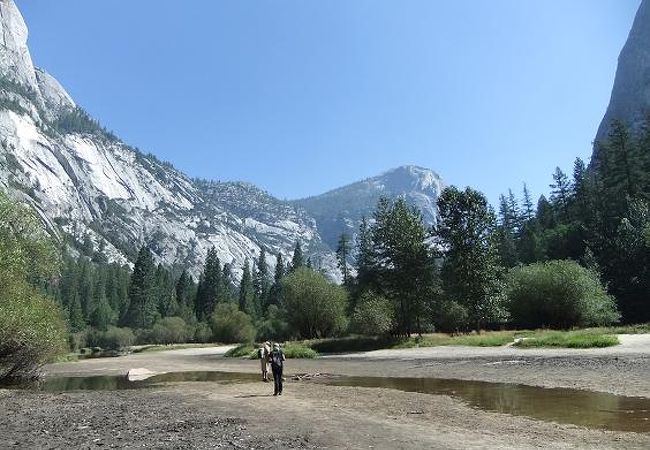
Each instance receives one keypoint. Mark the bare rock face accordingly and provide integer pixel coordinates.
(56, 98)
(15, 59)
(630, 99)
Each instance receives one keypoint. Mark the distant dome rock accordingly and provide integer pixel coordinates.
(405, 178)
(341, 210)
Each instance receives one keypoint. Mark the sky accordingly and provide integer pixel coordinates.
(300, 97)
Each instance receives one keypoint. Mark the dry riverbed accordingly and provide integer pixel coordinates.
(313, 415)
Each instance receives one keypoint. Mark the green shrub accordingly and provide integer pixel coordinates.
(572, 339)
(243, 350)
(170, 330)
(113, 338)
(202, 333)
(32, 329)
(484, 339)
(295, 350)
(372, 316)
(353, 344)
(292, 350)
(558, 294)
(450, 317)
(230, 325)
(315, 306)
(274, 326)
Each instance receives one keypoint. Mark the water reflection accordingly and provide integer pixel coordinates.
(569, 406)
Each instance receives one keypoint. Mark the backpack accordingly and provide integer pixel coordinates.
(276, 358)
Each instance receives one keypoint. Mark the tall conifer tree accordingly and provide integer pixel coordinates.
(143, 305)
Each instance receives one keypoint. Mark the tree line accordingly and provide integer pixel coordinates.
(467, 270)
(98, 295)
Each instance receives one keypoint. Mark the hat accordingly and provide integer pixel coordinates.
(276, 345)
(267, 343)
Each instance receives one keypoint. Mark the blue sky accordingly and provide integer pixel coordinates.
(300, 96)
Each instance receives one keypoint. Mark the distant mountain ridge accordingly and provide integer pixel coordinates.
(341, 210)
(91, 188)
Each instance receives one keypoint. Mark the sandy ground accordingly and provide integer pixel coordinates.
(309, 415)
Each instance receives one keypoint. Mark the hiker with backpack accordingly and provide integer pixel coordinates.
(277, 362)
(263, 353)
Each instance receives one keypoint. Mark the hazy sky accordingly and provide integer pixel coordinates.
(303, 96)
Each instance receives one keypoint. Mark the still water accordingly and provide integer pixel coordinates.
(568, 406)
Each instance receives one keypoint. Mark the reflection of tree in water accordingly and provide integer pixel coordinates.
(102, 383)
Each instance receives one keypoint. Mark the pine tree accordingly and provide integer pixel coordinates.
(261, 282)
(579, 171)
(622, 153)
(184, 290)
(343, 254)
(275, 294)
(166, 296)
(101, 315)
(69, 286)
(75, 314)
(211, 289)
(228, 283)
(514, 213)
(504, 212)
(365, 261)
(643, 156)
(506, 247)
(580, 189)
(619, 170)
(545, 216)
(298, 259)
(528, 211)
(86, 287)
(143, 305)
(198, 298)
(561, 190)
(279, 268)
(247, 292)
(508, 229)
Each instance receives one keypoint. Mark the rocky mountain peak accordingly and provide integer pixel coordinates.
(410, 178)
(630, 98)
(341, 210)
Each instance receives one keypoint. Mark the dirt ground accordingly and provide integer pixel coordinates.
(311, 415)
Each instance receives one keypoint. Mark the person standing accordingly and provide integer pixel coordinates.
(264, 353)
(277, 363)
